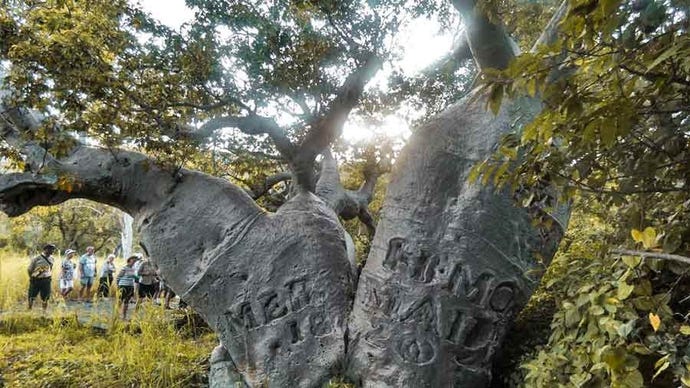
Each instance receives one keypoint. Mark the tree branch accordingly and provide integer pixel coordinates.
(654, 255)
(328, 128)
(489, 42)
(550, 33)
(348, 204)
(252, 124)
(259, 190)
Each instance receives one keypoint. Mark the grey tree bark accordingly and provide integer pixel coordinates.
(450, 264)
(451, 261)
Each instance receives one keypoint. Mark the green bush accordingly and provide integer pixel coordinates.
(620, 321)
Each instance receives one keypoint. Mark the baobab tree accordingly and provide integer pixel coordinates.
(451, 261)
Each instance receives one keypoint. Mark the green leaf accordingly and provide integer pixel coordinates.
(572, 317)
(624, 290)
(639, 349)
(474, 172)
(495, 98)
(632, 261)
(632, 379)
(661, 365)
(608, 133)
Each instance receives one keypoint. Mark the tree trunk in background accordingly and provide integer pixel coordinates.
(451, 262)
(127, 235)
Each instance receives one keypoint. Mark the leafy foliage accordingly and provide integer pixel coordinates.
(620, 320)
(74, 224)
(615, 119)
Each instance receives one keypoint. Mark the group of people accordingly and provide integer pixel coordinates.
(139, 276)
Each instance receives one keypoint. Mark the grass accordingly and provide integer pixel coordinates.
(102, 351)
(59, 350)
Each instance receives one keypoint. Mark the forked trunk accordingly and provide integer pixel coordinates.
(451, 262)
(450, 265)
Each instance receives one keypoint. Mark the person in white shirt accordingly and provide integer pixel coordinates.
(67, 273)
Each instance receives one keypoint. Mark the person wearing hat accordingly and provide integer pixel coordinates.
(40, 272)
(67, 273)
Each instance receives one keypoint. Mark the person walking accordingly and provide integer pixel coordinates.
(40, 272)
(87, 273)
(147, 279)
(125, 283)
(67, 273)
(106, 276)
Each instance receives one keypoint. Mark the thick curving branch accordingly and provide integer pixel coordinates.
(258, 190)
(324, 131)
(489, 42)
(348, 204)
(321, 133)
(251, 124)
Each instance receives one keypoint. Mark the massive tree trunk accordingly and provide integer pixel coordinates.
(276, 287)
(450, 265)
(451, 262)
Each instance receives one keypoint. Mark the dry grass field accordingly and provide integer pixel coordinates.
(88, 345)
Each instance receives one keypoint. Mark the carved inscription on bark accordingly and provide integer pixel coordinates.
(416, 350)
(411, 262)
(274, 304)
(474, 305)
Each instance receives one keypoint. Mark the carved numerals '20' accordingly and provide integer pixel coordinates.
(416, 350)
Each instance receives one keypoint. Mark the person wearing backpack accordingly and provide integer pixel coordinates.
(147, 278)
(40, 272)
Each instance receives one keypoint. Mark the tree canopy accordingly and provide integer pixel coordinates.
(255, 91)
